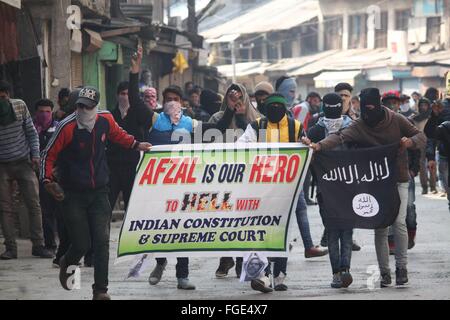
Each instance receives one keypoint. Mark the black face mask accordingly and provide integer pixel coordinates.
(275, 114)
(262, 108)
(372, 117)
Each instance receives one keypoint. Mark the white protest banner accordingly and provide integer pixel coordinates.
(214, 200)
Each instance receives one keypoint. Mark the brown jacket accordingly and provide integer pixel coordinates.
(391, 130)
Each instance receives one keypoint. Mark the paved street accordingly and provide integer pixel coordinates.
(429, 266)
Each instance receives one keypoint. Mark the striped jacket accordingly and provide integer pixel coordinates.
(81, 154)
(19, 139)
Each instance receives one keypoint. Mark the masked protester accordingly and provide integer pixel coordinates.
(339, 241)
(405, 106)
(46, 127)
(391, 100)
(381, 126)
(262, 91)
(19, 156)
(79, 145)
(151, 99)
(277, 127)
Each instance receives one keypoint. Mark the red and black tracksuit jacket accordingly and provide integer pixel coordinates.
(81, 155)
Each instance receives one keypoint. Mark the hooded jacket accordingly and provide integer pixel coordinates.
(390, 130)
(237, 121)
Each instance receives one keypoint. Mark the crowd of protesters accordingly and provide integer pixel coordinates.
(71, 161)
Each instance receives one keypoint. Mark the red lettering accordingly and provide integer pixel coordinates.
(160, 169)
(294, 165)
(191, 178)
(148, 173)
(257, 167)
(279, 175)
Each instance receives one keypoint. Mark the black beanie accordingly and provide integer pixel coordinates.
(370, 96)
(332, 106)
(210, 101)
(208, 97)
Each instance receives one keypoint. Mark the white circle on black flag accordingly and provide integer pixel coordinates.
(365, 205)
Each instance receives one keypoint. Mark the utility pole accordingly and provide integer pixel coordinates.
(233, 58)
(192, 25)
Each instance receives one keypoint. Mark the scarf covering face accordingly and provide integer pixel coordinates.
(124, 106)
(86, 119)
(333, 125)
(250, 113)
(7, 114)
(43, 121)
(150, 98)
(275, 113)
(173, 110)
(286, 88)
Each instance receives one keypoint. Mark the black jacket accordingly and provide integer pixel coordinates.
(137, 123)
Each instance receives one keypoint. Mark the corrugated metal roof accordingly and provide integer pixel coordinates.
(431, 57)
(273, 16)
(243, 69)
(356, 59)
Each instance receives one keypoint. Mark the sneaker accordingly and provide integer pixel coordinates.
(101, 296)
(411, 239)
(401, 277)
(184, 284)
(424, 191)
(157, 273)
(238, 268)
(315, 252)
(261, 285)
(225, 265)
(279, 283)
(8, 255)
(346, 279)
(356, 246)
(434, 191)
(337, 282)
(444, 195)
(42, 252)
(386, 280)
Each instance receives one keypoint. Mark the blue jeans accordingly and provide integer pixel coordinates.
(340, 255)
(303, 224)
(411, 214)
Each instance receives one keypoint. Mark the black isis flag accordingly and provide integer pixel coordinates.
(358, 188)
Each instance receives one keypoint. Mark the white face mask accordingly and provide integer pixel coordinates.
(86, 119)
(333, 125)
(173, 110)
(405, 107)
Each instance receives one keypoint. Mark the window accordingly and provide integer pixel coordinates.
(333, 32)
(357, 31)
(309, 38)
(434, 30)
(286, 49)
(402, 20)
(381, 33)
